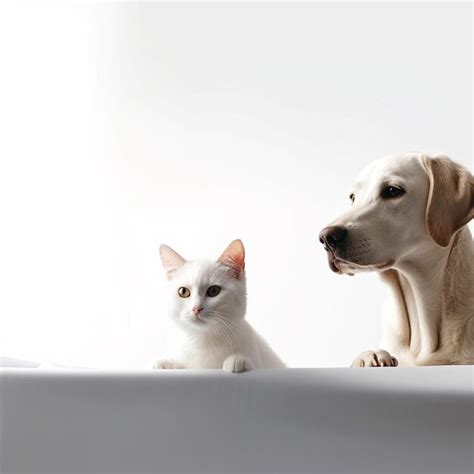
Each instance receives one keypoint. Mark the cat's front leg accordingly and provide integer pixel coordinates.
(237, 363)
(168, 364)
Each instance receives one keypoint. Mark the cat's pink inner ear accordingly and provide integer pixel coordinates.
(234, 257)
(171, 260)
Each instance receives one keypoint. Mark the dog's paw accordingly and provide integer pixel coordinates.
(236, 363)
(375, 359)
(167, 364)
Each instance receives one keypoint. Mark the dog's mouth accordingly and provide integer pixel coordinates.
(333, 260)
(339, 265)
(342, 266)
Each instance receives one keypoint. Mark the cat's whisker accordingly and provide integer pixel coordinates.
(224, 328)
(226, 338)
(221, 327)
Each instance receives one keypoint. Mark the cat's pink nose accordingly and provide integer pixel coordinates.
(197, 310)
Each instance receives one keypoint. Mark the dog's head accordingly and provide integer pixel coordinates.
(399, 203)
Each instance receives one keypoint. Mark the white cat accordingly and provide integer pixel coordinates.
(208, 302)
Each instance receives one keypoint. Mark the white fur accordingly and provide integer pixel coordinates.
(430, 317)
(218, 337)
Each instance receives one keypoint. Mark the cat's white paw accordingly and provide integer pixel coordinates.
(236, 363)
(167, 364)
(378, 358)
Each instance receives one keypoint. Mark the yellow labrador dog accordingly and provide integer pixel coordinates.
(408, 222)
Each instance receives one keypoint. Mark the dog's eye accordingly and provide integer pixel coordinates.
(352, 197)
(392, 192)
(184, 292)
(213, 290)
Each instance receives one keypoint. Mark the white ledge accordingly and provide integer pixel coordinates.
(396, 420)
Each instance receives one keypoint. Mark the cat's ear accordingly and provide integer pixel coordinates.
(234, 257)
(171, 260)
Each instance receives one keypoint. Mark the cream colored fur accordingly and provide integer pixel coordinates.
(422, 248)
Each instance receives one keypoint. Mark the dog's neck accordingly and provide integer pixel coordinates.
(433, 287)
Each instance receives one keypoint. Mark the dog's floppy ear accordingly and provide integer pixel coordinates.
(450, 202)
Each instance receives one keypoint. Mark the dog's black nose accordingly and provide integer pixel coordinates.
(331, 237)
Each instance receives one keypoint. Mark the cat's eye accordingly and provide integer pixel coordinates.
(213, 290)
(352, 197)
(184, 292)
(391, 192)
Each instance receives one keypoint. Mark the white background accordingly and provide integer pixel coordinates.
(124, 126)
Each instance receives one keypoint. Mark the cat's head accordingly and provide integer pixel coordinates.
(205, 295)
